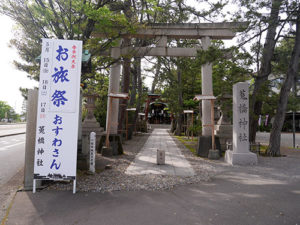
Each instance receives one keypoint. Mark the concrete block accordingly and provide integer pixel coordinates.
(115, 143)
(160, 159)
(233, 158)
(204, 145)
(107, 152)
(213, 154)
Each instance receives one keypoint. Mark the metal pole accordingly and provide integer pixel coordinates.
(126, 124)
(34, 186)
(192, 126)
(212, 125)
(108, 123)
(184, 125)
(294, 125)
(74, 186)
(294, 130)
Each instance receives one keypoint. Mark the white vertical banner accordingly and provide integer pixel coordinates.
(58, 110)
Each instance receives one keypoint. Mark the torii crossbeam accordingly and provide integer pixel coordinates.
(161, 33)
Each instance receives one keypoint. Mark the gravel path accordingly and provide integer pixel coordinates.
(268, 170)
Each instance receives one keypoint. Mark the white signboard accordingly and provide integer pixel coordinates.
(58, 110)
(92, 151)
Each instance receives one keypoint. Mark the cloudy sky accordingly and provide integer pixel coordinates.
(11, 78)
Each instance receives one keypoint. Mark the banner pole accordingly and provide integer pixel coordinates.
(74, 186)
(34, 186)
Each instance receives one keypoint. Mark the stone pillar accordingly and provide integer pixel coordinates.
(224, 127)
(114, 86)
(92, 152)
(161, 41)
(90, 124)
(30, 139)
(240, 154)
(207, 89)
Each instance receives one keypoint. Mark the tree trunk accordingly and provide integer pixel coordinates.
(173, 125)
(126, 71)
(265, 70)
(137, 68)
(156, 76)
(125, 88)
(274, 147)
(133, 88)
(180, 103)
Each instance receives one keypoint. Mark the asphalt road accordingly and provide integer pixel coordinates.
(12, 153)
(9, 129)
(267, 194)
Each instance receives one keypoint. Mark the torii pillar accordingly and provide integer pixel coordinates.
(162, 32)
(207, 89)
(114, 86)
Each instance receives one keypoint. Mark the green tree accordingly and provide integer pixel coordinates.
(71, 19)
(6, 111)
(291, 73)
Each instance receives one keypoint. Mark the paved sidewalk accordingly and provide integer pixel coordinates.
(266, 194)
(237, 196)
(145, 161)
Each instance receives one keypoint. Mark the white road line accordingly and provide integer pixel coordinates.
(9, 146)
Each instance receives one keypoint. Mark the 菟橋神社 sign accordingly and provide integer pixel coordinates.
(58, 110)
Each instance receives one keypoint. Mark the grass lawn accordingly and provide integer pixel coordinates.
(189, 143)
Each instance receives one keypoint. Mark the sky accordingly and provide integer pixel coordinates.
(11, 78)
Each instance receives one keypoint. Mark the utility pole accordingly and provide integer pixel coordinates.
(294, 125)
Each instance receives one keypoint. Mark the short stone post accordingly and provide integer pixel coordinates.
(30, 139)
(160, 157)
(240, 154)
(92, 151)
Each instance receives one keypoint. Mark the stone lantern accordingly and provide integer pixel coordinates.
(90, 123)
(224, 125)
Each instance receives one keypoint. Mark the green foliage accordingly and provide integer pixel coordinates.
(229, 67)
(6, 111)
(98, 85)
(196, 128)
(191, 82)
(100, 23)
(190, 104)
(270, 93)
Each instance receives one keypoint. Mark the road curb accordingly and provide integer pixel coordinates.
(3, 222)
(7, 135)
(13, 186)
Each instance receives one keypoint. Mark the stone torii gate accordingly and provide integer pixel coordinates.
(161, 33)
